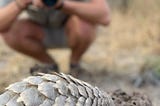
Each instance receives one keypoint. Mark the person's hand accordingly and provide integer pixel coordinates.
(23, 3)
(59, 4)
(38, 3)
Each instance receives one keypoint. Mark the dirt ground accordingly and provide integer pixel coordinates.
(117, 55)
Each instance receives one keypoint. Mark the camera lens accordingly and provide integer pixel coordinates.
(49, 3)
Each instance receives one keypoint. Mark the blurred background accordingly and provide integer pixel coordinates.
(123, 55)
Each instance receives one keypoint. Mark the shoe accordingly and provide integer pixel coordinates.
(47, 69)
(76, 71)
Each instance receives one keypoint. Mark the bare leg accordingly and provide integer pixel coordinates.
(80, 36)
(26, 37)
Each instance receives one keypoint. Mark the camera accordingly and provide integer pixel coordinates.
(49, 3)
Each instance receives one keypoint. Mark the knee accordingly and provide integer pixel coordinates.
(83, 31)
(12, 40)
(15, 36)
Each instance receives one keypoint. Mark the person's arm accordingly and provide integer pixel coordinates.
(9, 13)
(96, 11)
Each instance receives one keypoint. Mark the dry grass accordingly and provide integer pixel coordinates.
(132, 36)
(123, 45)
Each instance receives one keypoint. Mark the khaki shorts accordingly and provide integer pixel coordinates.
(53, 23)
(55, 38)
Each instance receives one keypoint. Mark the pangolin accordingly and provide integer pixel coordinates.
(64, 90)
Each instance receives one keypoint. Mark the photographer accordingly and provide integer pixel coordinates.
(61, 23)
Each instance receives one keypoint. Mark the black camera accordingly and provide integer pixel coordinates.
(49, 3)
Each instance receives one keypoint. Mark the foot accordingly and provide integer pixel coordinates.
(48, 69)
(76, 70)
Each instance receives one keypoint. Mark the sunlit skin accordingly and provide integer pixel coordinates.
(26, 36)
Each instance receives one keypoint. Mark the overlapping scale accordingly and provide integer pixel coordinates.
(54, 90)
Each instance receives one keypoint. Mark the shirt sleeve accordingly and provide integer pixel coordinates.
(4, 2)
